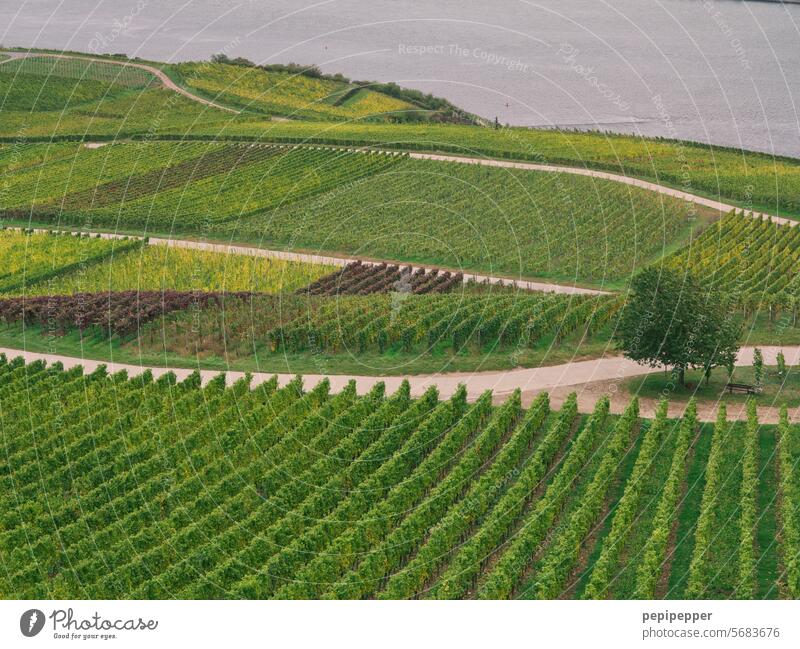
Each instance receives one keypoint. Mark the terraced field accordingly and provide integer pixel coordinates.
(525, 223)
(158, 268)
(514, 222)
(62, 264)
(120, 487)
(291, 95)
(80, 70)
(295, 492)
(195, 304)
(752, 180)
(165, 186)
(41, 97)
(31, 259)
(755, 262)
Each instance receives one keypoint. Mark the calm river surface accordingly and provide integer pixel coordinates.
(722, 71)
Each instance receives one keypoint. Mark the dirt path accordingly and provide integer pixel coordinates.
(343, 260)
(165, 80)
(590, 379)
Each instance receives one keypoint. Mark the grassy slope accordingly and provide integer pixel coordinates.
(114, 117)
(28, 93)
(253, 90)
(777, 390)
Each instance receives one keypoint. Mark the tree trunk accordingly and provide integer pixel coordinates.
(682, 376)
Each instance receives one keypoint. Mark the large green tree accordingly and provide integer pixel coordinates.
(669, 320)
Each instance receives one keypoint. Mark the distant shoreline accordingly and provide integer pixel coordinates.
(519, 99)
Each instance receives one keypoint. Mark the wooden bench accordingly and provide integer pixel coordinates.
(742, 387)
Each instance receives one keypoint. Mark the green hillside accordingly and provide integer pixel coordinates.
(515, 223)
(295, 492)
(750, 180)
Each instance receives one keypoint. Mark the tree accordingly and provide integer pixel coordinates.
(758, 366)
(717, 339)
(669, 320)
(781, 360)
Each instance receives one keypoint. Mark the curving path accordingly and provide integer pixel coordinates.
(329, 260)
(590, 379)
(160, 74)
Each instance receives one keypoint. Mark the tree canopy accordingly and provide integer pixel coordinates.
(670, 320)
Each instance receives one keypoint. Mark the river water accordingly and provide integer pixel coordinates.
(721, 71)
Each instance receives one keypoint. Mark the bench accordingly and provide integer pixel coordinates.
(742, 387)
